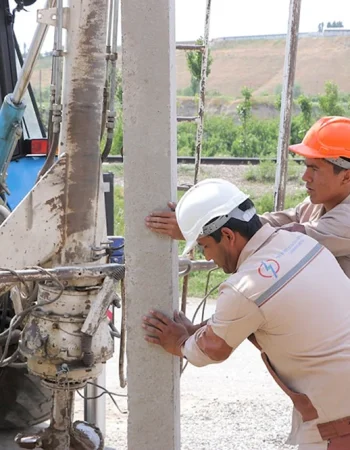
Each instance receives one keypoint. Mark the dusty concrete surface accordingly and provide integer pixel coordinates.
(231, 406)
(149, 140)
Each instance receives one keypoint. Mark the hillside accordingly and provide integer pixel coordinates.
(258, 64)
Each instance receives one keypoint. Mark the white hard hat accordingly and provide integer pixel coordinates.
(203, 202)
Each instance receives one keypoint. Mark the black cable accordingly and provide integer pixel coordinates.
(106, 391)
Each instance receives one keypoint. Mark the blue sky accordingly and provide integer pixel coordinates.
(229, 17)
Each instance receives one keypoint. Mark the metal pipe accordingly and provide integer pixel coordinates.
(116, 271)
(28, 66)
(205, 55)
(55, 116)
(115, 26)
(286, 104)
(108, 63)
(109, 26)
(94, 411)
(113, 83)
(59, 52)
(63, 273)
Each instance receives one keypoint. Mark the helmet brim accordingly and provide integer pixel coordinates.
(304, 150)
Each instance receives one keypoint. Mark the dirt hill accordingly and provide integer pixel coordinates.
(258, 64)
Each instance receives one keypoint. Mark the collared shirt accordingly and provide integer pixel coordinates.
(289, 291)
(331, 229)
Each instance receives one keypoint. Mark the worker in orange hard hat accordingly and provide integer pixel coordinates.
(325, 214)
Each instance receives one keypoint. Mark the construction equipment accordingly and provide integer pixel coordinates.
(65, 335)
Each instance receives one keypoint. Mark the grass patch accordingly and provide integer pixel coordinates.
(265, 172)
(116, 169)
(264, 203)
(119, 225)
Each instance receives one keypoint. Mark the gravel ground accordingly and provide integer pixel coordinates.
(231, 406)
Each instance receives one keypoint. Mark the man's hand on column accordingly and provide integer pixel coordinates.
(163, 331)
(164, 222)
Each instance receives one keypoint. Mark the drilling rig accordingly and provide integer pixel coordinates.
(56, 272)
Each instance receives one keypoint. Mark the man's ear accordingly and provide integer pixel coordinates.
(346, 176)
(228, 234)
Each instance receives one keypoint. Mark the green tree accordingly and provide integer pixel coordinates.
(194, 64)
(303, 121)
(306, 110)
(278, 102)
(244, 111)
(329, 102)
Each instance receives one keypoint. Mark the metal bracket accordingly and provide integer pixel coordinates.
(49, 17)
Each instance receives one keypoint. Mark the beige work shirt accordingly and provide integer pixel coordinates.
(291, 293)
(331, 229)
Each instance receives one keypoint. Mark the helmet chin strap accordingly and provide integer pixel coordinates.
(236, 213)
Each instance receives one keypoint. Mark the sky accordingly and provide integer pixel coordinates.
(228, 18)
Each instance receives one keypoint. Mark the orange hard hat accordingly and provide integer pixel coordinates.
(328, 138)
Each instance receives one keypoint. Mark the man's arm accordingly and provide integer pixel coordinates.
(235, 318)
(332, 230)
(280, 218)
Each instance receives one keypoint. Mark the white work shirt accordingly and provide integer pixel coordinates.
(331, 229)
(291, 293)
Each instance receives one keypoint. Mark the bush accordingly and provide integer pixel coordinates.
(264, 203)
(265, 172)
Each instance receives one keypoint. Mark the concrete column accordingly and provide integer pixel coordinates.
(150, 181)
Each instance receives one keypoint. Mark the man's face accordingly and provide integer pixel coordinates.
(223, 253)
(322, 184)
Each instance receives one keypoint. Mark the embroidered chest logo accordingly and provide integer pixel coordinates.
(269, 268)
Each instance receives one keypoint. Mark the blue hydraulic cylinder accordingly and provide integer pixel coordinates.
(10, 130)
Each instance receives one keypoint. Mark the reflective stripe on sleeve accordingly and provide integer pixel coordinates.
(286, 278)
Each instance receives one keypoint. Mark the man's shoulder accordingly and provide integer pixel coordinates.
(280, 255)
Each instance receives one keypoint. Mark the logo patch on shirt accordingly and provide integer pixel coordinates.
(269, 268)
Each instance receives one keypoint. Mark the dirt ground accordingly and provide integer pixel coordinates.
(231, 406)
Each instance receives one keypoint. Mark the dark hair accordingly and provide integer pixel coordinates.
(245, 229)
(338, 169)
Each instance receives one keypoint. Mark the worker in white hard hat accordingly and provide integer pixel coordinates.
(278, 296)
(325, 213)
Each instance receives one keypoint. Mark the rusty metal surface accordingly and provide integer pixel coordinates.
(85, 69)
(286, 104)
(53, 336)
